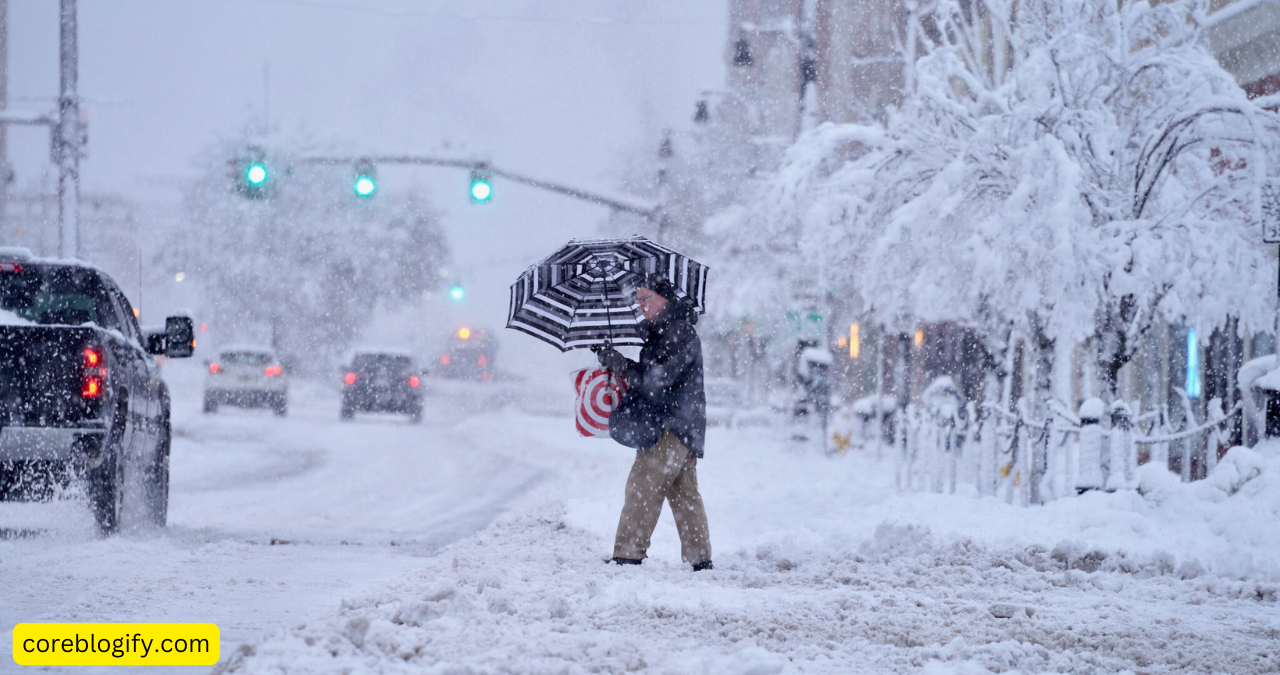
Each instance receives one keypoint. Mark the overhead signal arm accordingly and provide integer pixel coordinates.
(618, 203)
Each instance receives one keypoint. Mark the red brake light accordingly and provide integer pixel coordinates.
(350, 378)
(414, 381)
(11, 267)
(444, 360)
(94, 377)
(272, 371)
(91, 386)
(481, 360)
(214, 368)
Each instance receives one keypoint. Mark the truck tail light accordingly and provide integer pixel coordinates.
(272, 371)
(12, 267)
(482, 360)
(214, 368)
(414, 381)
(91, 386)
(93, 379)
(444, 360)
(349, 379)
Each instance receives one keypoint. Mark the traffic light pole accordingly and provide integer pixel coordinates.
(649, 211)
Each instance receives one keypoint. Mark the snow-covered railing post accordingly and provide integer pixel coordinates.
(1219, 436)
(902, 472)
(1039, 462)
(1159, 451)
(1123, 460)
(986, 456)
(1090, 472)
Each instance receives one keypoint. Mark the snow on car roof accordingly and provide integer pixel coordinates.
(8, 318)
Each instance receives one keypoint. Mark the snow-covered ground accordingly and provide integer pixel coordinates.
(272, 521)
(474, 544)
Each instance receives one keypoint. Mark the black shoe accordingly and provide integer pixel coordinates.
(704, 565)
(624, 561)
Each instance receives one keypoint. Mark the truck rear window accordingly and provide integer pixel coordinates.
(56, 295)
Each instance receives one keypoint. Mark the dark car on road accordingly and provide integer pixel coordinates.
(468, 355)
(382, 382)
(81, 399)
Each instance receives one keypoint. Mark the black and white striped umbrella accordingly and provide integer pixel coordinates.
(584, 294)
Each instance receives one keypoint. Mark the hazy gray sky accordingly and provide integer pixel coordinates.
(554, 88)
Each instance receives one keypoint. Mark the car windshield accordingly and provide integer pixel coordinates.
(383, 363)
(245, 359)
(56, 295)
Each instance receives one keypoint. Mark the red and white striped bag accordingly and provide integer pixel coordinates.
(599, 392)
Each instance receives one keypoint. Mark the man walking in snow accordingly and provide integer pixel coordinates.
(666, 395)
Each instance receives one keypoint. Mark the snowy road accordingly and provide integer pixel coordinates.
(272, 521)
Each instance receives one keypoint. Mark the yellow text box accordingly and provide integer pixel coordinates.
(112, 644)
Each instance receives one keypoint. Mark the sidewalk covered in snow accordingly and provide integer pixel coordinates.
(822, 566)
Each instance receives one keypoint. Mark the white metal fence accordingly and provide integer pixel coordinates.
(991, 451)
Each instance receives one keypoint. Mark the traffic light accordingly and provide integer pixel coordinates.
(456, 292)
(251, 173)
(255, 178)
(366, 180)
(256, 174)
(481, 187)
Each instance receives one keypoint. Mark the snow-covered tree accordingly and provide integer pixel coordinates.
(1060, 170)
(305, 266)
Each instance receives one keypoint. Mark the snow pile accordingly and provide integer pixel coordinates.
(529, 596)
(821, 567)
(1228, 521)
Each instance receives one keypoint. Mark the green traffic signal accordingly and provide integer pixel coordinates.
(252, 177)
(481, 188)
(366, 182)
(256, 174)
(456, 293)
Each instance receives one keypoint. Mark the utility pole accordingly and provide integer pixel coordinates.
(6, 174)
(806, 39)
(665, 151)
(68, 136)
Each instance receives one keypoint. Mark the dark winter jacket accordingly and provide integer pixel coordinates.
(669, 374)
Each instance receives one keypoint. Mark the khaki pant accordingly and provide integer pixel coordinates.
(667, 471)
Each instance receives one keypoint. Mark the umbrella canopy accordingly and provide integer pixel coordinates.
(583, 295)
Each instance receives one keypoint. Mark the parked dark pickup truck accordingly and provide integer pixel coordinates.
(81, 399)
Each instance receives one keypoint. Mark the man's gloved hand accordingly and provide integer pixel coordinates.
(612, 359)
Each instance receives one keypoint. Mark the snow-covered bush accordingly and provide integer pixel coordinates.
(1091, 174)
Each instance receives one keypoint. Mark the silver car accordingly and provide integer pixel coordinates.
(249, 377)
